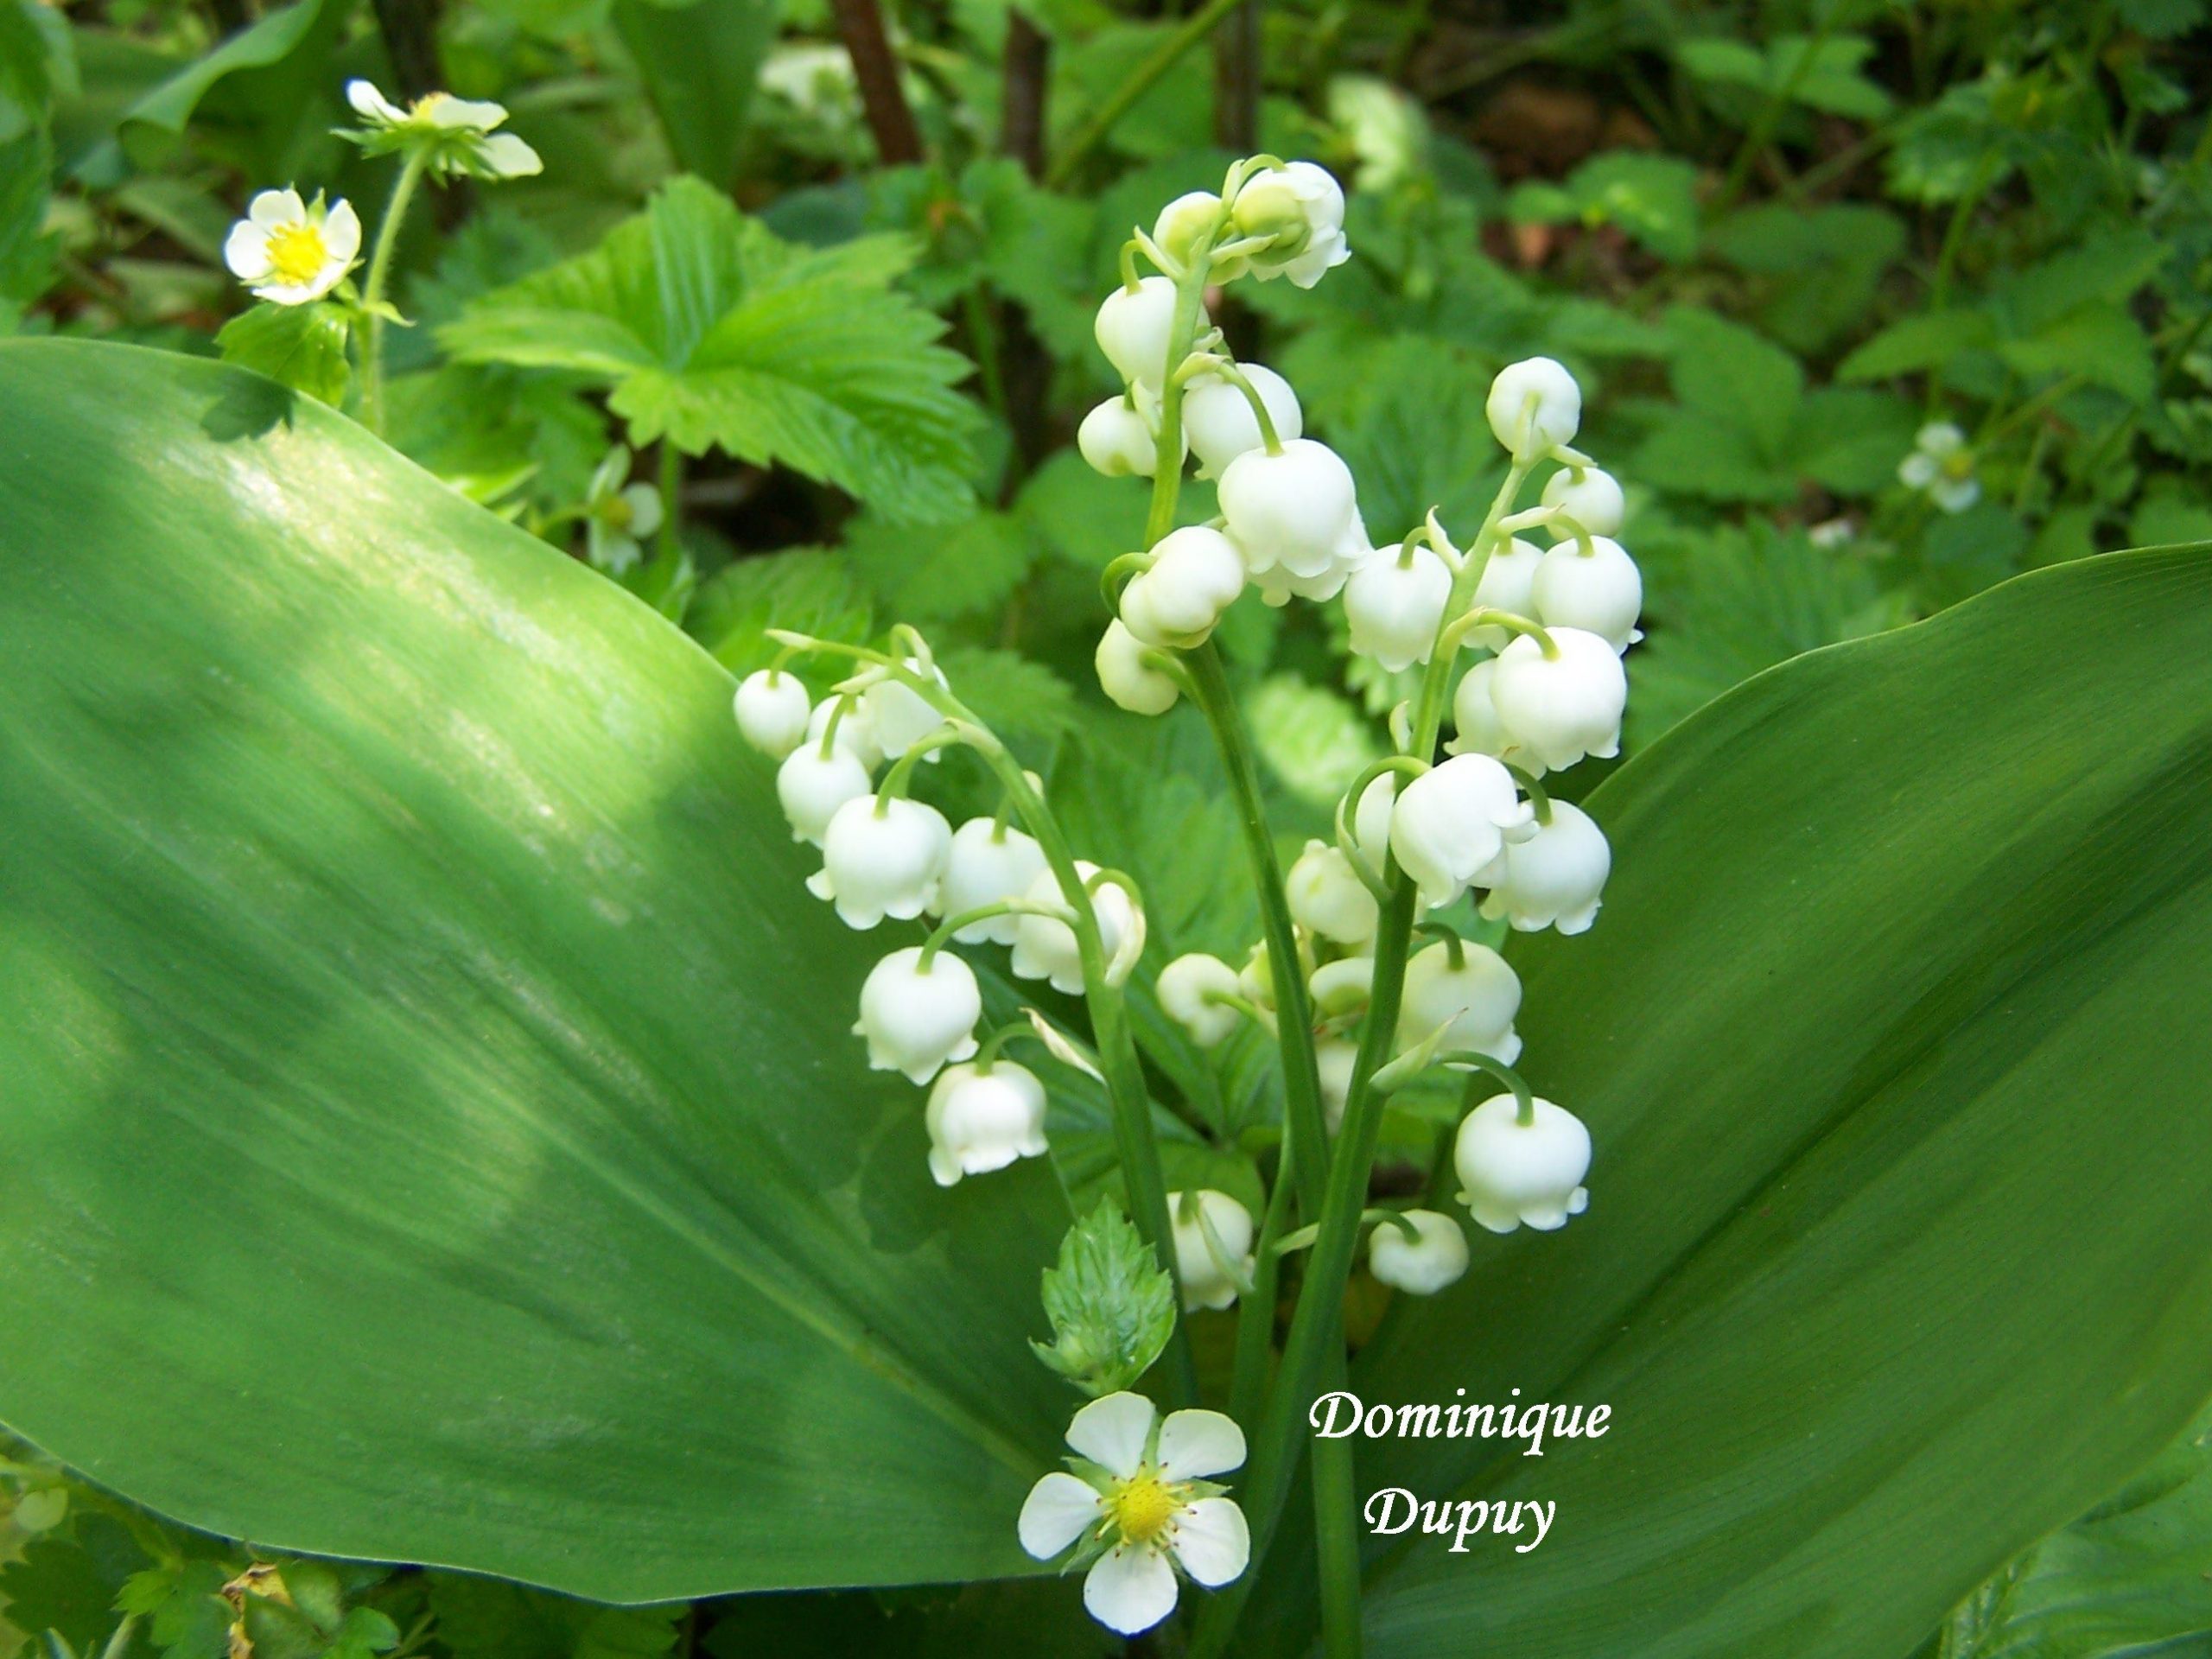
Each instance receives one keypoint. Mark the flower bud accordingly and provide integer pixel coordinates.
(1370, 820)
(855, 728)
(1555, 878)
(1589, 496)
(1342, 986)
(1561, 708)
(1117, 440)
(1508, 584)
(1129, 681)
(1196, 574)
(1420, 1269)
(1452, 822)
(917, 1015)
(1335, 1058)
(773, 711)
(1218, 421)
(982, 1120)
(1187, 988)
(1182, 221)
(1207, 1281)
(900, 716)
(1534, 407)
(1045, 948)
(1301, 208)
(1513, 1173)
(1476, 1000)
(811, 787)
(1327, 899)
(1394, 602)
(1135, 328)
(1474, 716)
(1600, 592)
(1291, 510)
(986, 862)
(1257, 978)
(882, 858)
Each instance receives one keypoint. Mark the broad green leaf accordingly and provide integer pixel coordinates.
(38, 64)
(2100, 343)
(712, 332)
(1926, 339)
(302, 346)
(699, 61)
(1653, 199)
(276, 68)
(1892, 1038)
(807, 590)
(425, 1075)
(1728, 373)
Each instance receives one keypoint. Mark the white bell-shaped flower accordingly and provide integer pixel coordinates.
(1588, 495)
(1561, 708)
(1045, 947)
(1257, 977)
(1326, 897)
(1182, 221)
(1479, 730)
(1370, 820)
(1335, 1058)
(1600, 592)
(1301, 207)
(1196, 574)
(1554, 879)
(1127, 680)
(1508, 584)
(1452, 822)
(986, 863)
(1118, 441)
(811, 787)
(1291, 511)
(1438, 1260)
(1512, 1174)
(1342, 986)
(1394, 602)
(917, 1015)
(900, 716)
(1209, 1280)
(773, 711)
(855, 728)
(1135, 330)
(1187, 988)
(981, 1121)
(1218, 421)
(1474, 1002)
(882, 858)
(1534, 407)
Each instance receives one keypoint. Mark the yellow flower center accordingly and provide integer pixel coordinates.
(1143, 1506)
(297, 253)
(1958, 464)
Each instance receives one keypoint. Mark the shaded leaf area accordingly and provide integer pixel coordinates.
(1891, 1037)
(413, 1019)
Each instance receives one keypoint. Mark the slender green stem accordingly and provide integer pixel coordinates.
(1255, 1314)
(374, 285)
(1336, 1534)
(1165, 57)
(668, 546)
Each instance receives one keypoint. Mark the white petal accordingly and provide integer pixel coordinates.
(341, 232)
(509, 157)
(274, 208)
(1058, 1511)
(644, 508)
(1196, 1444)
(1212, 1542)
(1112, 1432)
(246, 251)
(1130, 1589)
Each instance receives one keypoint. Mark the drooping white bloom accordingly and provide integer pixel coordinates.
(1045, 947)
(1561, 708)
(1507, 584)
(986, 862)
(1394, 602)
(1475, 1002)
(1554, 879)
(1335, 1058)
(1589, 496)
(1514, 1173)
(1117, 440)
(617, 516)
(1176, 232)
(981, 1121)
(1128, 681)
(1278, 585)
(881, 857)
(900, 715)
(1479, 730)
(290, 251)
(1941, 466)
(1440, 1259)
(1257, 977)
(1134, 329)
(1326, 897)
(1342, 986)
(811, 787)
(1371, 819)
(1534, 407)
(773, 711)
(918, 1015)
(1148, 1505)
(1209, 1278)
(1196, 574)
(1452, 822)
(1301, 207)
(855, 728)
(457, 133)
(1600, 592)
(1187, 988)
(1292, 510)
(1218, 421)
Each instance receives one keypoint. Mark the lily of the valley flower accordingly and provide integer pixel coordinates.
(773, 711)
(1599, 591)
(617, 516)
(1554, 879)
(987, 861)
(1589, 496)
(1188, 988)
(1127, 680)
(811, 787)
(1515, 1173)
(1941, 467)
(1295, 510)
(881, 857)
(290, 251)
(1563, 707)
(1395, 603)
(1300, 207)
(1326, 897)
(1218, 421)
(1452, 822)
(1117, 440)
(1534, 407)
(1477, 730)
(855, 732)
(455, 135)
(1423, 1269)
(1133, 330)
(1508, 583)
(979, 1120)
(1196, 574)
(1209, 1270)
(918, 1013)
(1475, 1002)
(900, 716)
(1045, 948)
(1142, 1509)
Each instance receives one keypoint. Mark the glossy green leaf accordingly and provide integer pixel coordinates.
(699, 61)
(1892, 1038)
(434, 1129)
